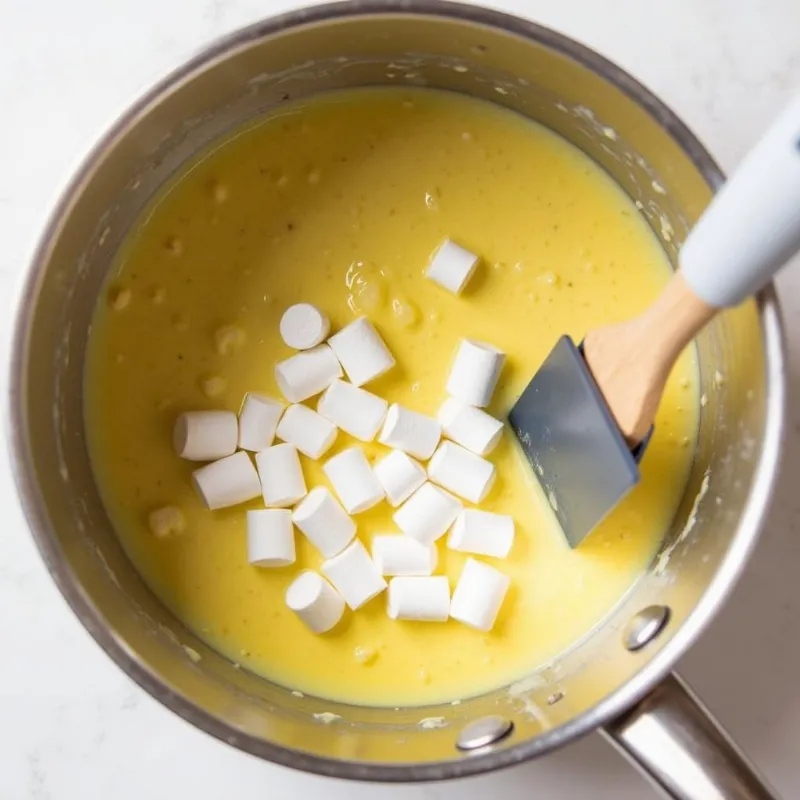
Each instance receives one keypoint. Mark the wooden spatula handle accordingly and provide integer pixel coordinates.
(631, 361)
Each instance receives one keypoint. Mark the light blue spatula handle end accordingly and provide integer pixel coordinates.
(752, 226)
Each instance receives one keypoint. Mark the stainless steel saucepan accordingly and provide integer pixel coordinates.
(618, 681)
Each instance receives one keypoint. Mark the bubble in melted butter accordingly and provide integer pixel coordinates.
(166, 521)
(119, 298)
(228, 338)
(174, 245)
(157, 295)
(365, 655)
(405, 312)
(213, 385)
(549, 279)
(367, 288)
(219, 192)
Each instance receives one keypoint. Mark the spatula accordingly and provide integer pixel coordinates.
(586, 417)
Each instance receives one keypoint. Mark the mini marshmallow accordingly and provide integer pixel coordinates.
(281, 475)
(402, 555)
(354, 575)
(361, 351)
(479, 593)
(315, 601)
(227, 482)
(421, 599)
(400, 476)
(475, 372)
(205, 435)
(452, 266)
(410, 431)
(304, 326)
(258, 421)
(353, 480)
(427, 514)
(483, 533)
(469, 426)
(356, 411)
(307, 373)
(309, 432)
(270, 537)
(463, 473)
(324, 522)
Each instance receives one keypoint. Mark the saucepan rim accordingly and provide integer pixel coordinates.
(92, 617)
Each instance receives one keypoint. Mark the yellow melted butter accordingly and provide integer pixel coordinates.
(340, 202)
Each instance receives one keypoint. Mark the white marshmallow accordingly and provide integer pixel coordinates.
(402, 555)
(353, 480)
(469, 426)
(227, 482)
(422, 599)
(270, 537)
(324, 522)
(205, 435)
(258, 421)
(410, 431)
(479, 593)
(483, 533)
(400, 476)
(315, 601)
(304, 326)
(475, 372)
(309, 432)
(452, 266)
(354, 575)
(427, 514)
(461, 472)
(281, 475)
(308, 373)
(361, 351)
(356, 411)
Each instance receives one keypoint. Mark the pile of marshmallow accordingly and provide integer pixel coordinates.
(428, 500)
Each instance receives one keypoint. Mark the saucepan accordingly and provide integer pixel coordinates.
(618, 680)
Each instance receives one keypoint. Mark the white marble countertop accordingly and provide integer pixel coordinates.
(71, 724)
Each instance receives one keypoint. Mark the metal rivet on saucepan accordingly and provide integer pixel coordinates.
(484, 731)
(645, 626)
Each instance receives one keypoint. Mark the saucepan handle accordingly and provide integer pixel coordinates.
(671, 737)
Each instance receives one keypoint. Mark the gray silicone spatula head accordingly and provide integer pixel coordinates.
(573, 442)
(563, 419)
